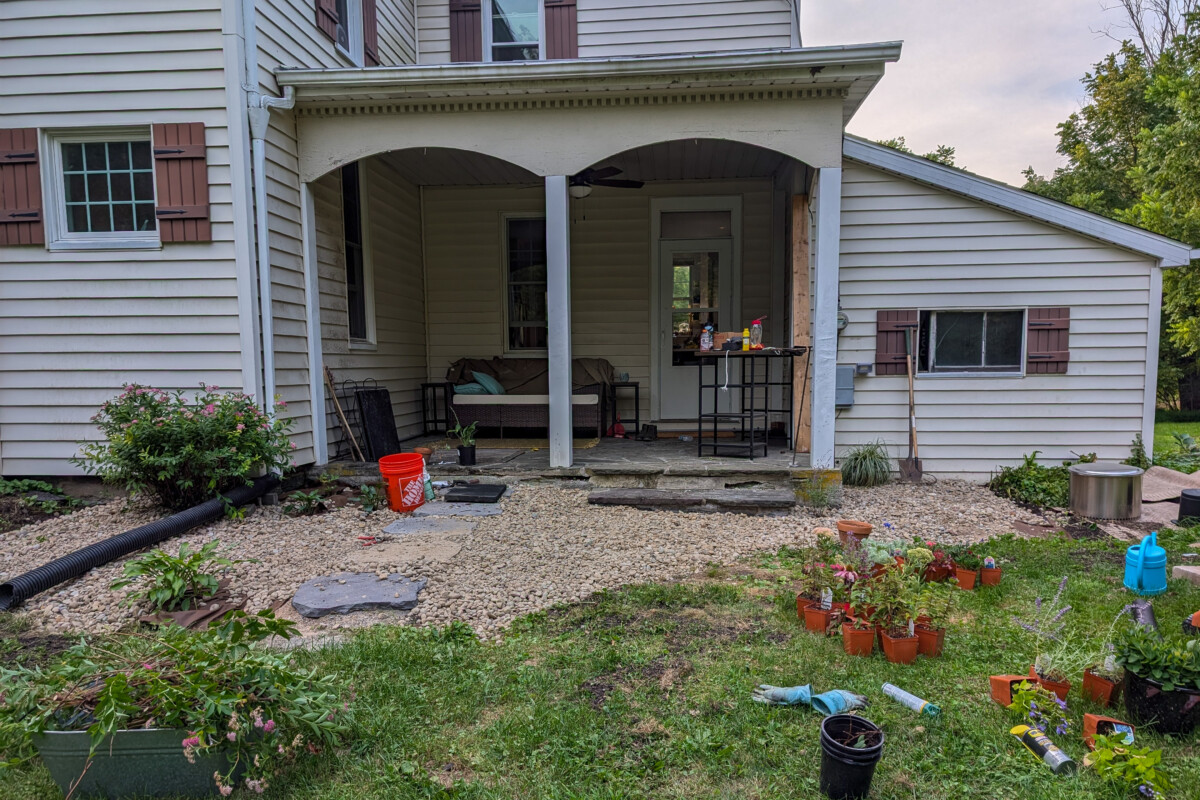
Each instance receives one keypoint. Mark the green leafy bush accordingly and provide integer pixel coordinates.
(251, 703)
(1173, 660)
(174, 583)
(1130, 769)
(22, 487)
(184, 449)
(1034, 483)
(867, 465)
(304, 504)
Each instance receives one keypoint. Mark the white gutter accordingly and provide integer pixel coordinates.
(260, 119)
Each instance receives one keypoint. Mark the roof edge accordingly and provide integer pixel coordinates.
(1171, 253)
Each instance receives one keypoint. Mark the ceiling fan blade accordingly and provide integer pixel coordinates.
(619, 183)
(590, 174)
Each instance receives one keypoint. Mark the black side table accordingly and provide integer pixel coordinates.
(637, 402)
(435, 406)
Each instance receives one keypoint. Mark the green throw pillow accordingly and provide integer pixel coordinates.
(490, 384)
(470, 388)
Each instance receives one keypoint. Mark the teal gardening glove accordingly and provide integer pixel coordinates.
(837, 701)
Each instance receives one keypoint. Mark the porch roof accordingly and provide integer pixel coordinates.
(852, 70)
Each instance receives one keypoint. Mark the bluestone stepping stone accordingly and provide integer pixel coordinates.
(344, 592)
(410, 525)
(443, 509)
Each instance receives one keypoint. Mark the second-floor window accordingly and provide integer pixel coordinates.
(513, 29)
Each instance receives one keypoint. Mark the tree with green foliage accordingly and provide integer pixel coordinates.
(942, 154)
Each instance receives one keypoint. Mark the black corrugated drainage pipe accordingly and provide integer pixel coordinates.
(73, 565)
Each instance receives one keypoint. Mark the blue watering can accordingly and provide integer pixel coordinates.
(1146, 567)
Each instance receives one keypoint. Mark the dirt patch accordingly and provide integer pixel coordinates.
(664, 672)
(35, 650)
(448, 773)
(16, 514)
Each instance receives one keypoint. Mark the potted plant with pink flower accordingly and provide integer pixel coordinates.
(173, 713)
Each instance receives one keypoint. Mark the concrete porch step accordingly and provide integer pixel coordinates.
(727, 500)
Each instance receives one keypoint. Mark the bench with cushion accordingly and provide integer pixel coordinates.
(525, 402)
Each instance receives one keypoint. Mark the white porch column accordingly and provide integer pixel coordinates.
(312, 323)
(827, 240)
(558, 322)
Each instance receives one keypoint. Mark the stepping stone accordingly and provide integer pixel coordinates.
(344, 592)
(742, 502)
(1191, 574)
(411, 525)
(442, 509)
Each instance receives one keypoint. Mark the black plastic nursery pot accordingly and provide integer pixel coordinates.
(466, 455)
(846, 770)
(1176, 712)
(132, 763)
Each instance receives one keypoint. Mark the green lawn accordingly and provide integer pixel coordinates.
(1163, 441)
(645, 692)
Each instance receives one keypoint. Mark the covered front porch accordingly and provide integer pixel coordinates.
(485, 236)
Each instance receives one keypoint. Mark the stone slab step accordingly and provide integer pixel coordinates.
(729, 500)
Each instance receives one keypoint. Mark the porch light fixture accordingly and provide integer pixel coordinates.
(579, 190)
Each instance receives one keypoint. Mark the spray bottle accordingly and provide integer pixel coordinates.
(1040, 745)
(756, 335)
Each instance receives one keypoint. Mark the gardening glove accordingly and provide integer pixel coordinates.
(838, 701)
(782, 695)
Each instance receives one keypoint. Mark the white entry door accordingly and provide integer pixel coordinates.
(695, 287)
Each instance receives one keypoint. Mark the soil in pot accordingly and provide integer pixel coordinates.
(990, 576)
(966, 577)
(851, 746)
(1100, 690)
(1175, 712)
(929, 641)
(816, 619)
(900, 649)
(466, 455)
(858, 641)
(1061, 688)
(133, 763)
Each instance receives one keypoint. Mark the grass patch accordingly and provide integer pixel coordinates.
(645, 693)
(1164, 440)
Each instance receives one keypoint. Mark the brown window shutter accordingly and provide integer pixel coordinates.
(20, 188)
(327, 18)
(181, 176)
(370, 33)
(1047, 341)
(562, 25)
(889, 340)
(466, 31)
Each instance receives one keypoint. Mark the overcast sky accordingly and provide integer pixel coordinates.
(991, 78)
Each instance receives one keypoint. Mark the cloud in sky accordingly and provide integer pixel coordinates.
(990, 78)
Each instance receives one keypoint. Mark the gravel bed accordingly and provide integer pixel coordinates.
(547, 547)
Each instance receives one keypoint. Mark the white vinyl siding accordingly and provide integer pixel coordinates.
(393, 221)
(609, 28)
(907, 245)
(610, 269)
(397, 29)
(74, 327)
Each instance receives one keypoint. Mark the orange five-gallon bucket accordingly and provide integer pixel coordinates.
(404, 474)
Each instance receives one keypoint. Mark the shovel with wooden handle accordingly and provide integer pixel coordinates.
(910, 468)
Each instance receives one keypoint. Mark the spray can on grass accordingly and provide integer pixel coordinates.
(911, 700)
(1040, 745)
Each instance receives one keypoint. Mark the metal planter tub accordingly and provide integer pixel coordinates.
(1106, 490)
(132, 763)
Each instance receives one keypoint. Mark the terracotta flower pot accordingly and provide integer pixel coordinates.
(1100, 690)
(929, 641)
(816, 619)
(1060, 688)
(936, 574)
(1095, 723)
(901, 649)
(1004, 686)
(852, 528)
(424, 452)
(990, 576)
(966, 577)
(858, 641)
(802, 603)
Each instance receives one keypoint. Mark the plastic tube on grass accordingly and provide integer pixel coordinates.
(911, 700)
(1040, 745)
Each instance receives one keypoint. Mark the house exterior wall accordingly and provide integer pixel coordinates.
(609, 28)
(610, 269)
(76, 326)
(907, 245)
(392, 210)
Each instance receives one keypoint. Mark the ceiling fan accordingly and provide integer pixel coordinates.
(581, 183)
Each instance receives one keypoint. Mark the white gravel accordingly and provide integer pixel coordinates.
(547, 547)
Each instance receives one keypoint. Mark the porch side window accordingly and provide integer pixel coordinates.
(971, 341)
(525, 271)
(356, 279)
(514, 27)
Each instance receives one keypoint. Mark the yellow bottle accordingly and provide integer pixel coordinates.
(745, 338)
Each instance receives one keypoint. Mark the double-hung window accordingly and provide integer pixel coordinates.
(525, 276)
(512, 30)
(350, 29)
(971, 341)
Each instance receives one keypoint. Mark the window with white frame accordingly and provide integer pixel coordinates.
(525, 278)
(100, 188)
(360, 302)
(991, 341)
(350, 29)
(512, 30)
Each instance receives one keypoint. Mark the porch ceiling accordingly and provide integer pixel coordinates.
(852, 70)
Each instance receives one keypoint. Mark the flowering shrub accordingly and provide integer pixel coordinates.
(250, 703)
(183, 449)
(1041, 708)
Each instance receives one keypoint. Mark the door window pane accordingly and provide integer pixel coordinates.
(356, 285)
(101, 180)
(694, 301)
(526, 279)
(696, 225)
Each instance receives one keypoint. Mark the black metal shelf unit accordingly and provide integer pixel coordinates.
(746, 376)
